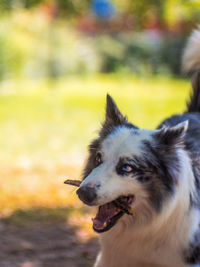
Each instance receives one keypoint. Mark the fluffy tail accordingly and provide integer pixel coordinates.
(191, 62)
(191, 55)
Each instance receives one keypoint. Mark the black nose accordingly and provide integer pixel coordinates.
(87, 194)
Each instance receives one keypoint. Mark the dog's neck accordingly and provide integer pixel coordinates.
(171, 230)
(176, 214)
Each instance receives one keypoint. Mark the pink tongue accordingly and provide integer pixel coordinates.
(105, 213)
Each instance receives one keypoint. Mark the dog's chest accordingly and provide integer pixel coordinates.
(157, 256)
(136, 253)
(137, 256)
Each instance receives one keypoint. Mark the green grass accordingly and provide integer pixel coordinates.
(45, 128)
(44, 124)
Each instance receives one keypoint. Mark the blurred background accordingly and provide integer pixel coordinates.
(58, 59)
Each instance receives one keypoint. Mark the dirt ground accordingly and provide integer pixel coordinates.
(44, 244)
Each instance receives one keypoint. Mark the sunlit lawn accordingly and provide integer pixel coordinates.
(46, 127)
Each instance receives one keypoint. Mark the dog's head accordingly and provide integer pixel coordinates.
(130, 168)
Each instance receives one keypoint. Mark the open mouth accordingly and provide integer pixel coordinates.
(109, 213)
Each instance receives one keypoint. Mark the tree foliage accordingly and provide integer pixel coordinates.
(163, 12)
(63, 7)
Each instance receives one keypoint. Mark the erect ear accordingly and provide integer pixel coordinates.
(113, 115)
(172, 135)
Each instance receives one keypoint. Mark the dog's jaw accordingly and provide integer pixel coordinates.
(109, 213)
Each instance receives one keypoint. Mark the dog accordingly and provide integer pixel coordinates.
(146, 184)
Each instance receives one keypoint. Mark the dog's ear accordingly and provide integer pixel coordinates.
(113, 116)
(172, 136)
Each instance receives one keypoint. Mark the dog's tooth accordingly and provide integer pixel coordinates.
(105, 224)
(131, 211)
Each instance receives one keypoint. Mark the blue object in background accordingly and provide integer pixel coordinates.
(103, 8)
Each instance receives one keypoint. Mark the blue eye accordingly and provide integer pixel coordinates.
(126, 168)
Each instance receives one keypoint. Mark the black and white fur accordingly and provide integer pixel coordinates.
(163, 174)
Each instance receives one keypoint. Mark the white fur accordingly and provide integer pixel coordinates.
(191, 56)
(125, 142)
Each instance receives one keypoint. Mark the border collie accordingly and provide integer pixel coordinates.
(146, 184)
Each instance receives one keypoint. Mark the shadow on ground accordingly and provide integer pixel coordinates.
(43, 238)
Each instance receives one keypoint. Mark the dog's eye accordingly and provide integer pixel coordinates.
(98, 159)
(126, 168)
